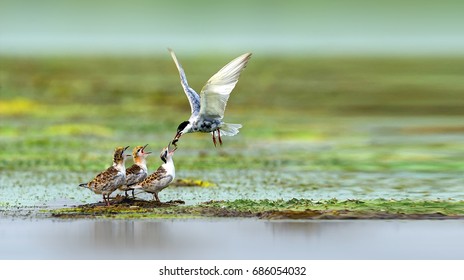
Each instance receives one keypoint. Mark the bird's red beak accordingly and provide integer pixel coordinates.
(176, 138)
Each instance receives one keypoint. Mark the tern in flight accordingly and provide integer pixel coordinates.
(208, 107)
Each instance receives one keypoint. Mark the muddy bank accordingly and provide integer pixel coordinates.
(296, 209)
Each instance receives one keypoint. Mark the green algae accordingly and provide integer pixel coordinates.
(187, 182)
(341, 208)
(274, 209)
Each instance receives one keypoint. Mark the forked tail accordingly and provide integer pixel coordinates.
(230, 129)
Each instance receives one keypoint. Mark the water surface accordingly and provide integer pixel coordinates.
(229, 239)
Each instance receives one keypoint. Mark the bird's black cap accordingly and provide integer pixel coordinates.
(182, 125)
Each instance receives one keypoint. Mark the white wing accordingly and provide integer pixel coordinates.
(192, 96)
(215, 93)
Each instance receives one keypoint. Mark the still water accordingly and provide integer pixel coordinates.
(229, 239)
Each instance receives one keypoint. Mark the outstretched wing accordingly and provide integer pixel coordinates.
(215, 93)
(192, 96)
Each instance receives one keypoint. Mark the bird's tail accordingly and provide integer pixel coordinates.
(230, 129)
(84, 185)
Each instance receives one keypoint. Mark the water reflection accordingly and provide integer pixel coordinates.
(230, 239)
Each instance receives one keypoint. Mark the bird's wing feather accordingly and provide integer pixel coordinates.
(215, 93)
(192, 96)
(163, 181)
(105, 178)
(133, 174)
(106, 175)
(115, 182)
(157, 179)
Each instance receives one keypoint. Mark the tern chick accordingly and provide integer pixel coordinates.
(112, 178)
(162, 177)
(208, 107)
(138, 171)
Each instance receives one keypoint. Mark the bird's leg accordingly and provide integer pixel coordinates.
(219, 137)
(133, 196)
(157, 198)
(106, 200)
(214, 139)
(125, 192)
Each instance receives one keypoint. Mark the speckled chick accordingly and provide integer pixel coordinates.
(112, 178)
(162, 177)
(138, 171)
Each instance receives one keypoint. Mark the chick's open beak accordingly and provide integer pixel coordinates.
(143, 150)
(170, 149)
(122, 154)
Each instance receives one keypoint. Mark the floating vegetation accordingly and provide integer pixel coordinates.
(192, 183)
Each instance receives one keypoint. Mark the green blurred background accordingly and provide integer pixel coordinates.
(332, 85)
